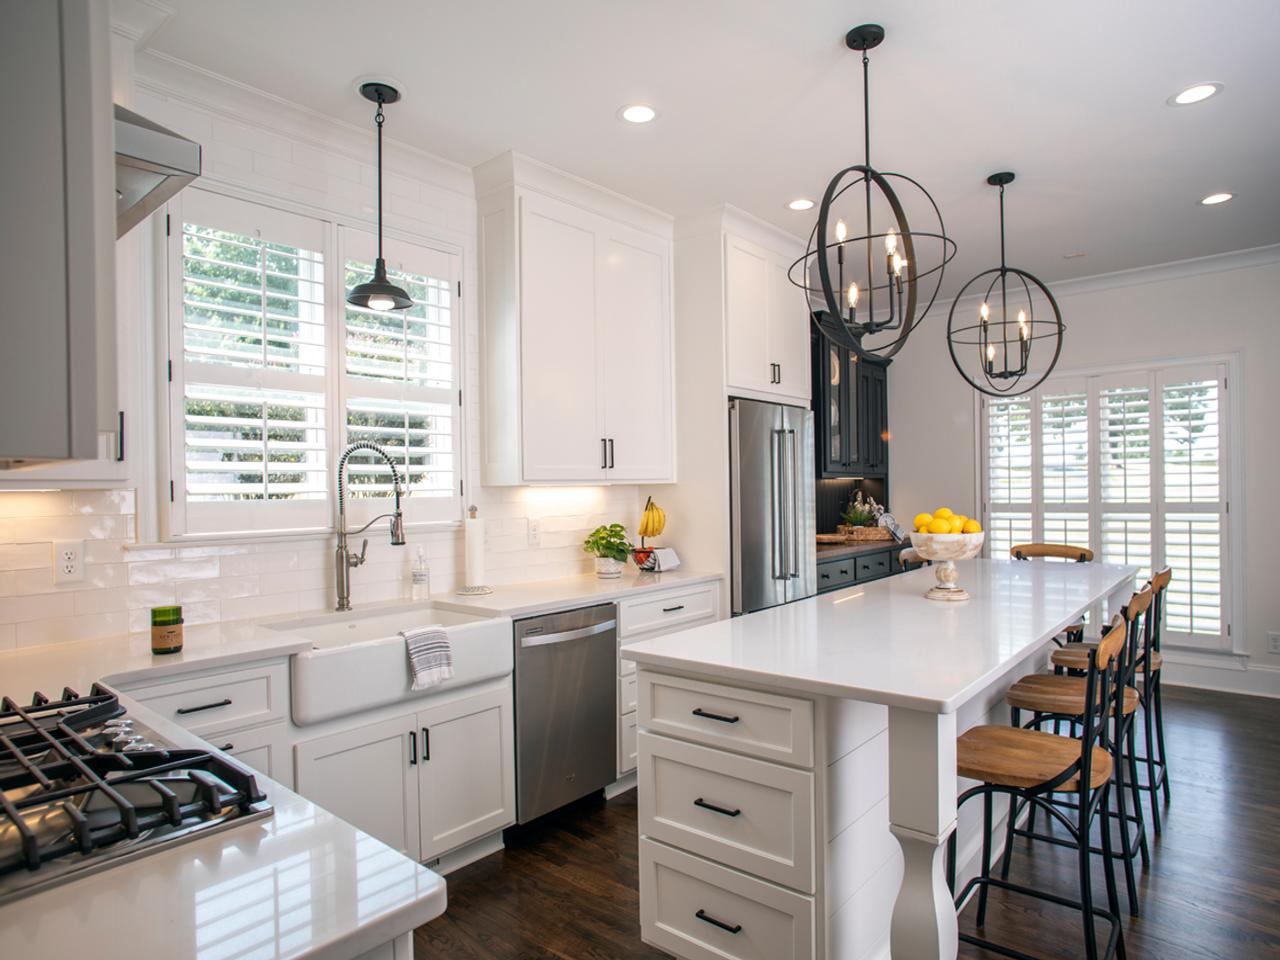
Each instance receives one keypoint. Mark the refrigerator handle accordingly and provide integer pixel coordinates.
(777, 521)
(793, 497)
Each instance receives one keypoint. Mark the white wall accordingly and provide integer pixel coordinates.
(257, 143)
(1220, 305)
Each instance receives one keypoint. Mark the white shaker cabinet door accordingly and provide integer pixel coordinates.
(563, 438)
(634, 328)
(467, 770)
(788, 333)
(367, 776)
(747, 295)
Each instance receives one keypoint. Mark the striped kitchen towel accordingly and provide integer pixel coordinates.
(430, 656)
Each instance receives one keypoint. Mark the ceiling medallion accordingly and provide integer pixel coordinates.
(999, 342)
(868, 286)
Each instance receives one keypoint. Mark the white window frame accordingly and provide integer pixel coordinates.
(1156, 374)
(267, 521)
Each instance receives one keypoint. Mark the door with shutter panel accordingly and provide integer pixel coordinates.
(563, 432)
(634, 330)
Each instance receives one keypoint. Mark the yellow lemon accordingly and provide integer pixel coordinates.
(972, 526)
(957, 524)
(940, 525)
(922, 520)
(959, 516)
(943, 513)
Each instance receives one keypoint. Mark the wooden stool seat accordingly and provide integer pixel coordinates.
(1049, 693)
(1075, 656)
(1012, 757)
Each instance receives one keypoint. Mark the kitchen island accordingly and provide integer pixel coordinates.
(780, 751)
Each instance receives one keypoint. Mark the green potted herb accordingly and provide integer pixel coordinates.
(609, 545)
(862, 520)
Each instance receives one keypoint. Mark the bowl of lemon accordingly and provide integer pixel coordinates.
(944, 537)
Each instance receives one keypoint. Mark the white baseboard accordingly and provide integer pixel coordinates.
(470, 853)
(1234, 675)
(621, 785)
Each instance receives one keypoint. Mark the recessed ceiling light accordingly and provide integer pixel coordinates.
(1215, 198)
(1194, 94)
(801, 204)
(637, 113)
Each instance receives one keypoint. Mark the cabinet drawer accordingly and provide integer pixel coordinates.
(874, 566)
(749, 814)
(264, 749)
(662, 611)
(702, 911)
(626, 694)
(626, 743)
(746, 721)
(836, 573)
(221, 701)
(626, 668)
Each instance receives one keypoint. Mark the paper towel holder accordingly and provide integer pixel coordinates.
(472, 589)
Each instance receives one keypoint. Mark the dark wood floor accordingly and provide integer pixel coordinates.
(565, 886)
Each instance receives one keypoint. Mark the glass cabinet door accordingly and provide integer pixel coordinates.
(852, 411)
(835, 393)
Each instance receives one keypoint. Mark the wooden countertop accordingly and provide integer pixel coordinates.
(833, 551)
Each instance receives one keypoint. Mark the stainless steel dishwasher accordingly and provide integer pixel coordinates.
(566, 707)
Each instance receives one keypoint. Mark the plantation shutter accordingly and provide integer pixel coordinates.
(1009, 473)
(249, 431)
(1124, 462)
(400, 381)
(1064, 458)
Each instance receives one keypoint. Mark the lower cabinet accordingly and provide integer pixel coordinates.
(265, 749)
(859, 568)
(425, 782)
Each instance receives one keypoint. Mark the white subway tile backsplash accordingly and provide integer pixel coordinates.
(220, 588)
(162, 571)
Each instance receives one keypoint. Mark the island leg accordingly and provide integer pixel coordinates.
(922, 815)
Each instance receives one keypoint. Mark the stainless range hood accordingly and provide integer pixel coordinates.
(152, 164)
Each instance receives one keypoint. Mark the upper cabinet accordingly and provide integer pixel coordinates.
(577, 331)
(766, 319)
(57, 252)
(851, 404)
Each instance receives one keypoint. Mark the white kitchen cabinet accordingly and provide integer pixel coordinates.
(424, 782)
(57, 238)
(467, 770)
(265, 749)
(766, 322)
(577, 331)
(368, 776)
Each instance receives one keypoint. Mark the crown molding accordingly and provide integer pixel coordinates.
(171, 78)
(137, 20)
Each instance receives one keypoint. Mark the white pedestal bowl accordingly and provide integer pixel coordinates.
(944, 549)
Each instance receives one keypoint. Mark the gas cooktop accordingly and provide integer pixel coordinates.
(83, 787)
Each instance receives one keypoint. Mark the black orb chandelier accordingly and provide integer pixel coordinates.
(998, 343)
(379, 293)
(868, 286)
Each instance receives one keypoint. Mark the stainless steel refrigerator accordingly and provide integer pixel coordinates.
(771, 477)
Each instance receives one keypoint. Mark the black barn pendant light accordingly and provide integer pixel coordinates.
(379, 293)
(864, 291)
(999, 344)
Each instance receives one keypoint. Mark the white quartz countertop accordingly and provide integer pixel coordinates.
(884, 642)
(541, 596)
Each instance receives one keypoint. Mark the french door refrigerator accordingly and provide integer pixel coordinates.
(771, 503)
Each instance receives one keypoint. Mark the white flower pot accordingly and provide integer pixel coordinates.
(607, 568)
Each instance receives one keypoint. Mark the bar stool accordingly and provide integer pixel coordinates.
(1074, 659)
(1029, 766)
(1061, 551)
(1052, 697)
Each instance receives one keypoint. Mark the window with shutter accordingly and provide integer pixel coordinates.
(1131, 464)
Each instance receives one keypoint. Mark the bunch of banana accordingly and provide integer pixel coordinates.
(653, 521)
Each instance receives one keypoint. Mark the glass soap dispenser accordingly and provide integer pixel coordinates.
(420, 577)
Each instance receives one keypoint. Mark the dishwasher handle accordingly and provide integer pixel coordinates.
(542, 640)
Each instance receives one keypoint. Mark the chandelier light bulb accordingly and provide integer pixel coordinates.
(991, 351)
(381, 303)
(1023, 331)
(853, 294)
(984, 311)
(890, 242)
(842, 231)
(898, 264)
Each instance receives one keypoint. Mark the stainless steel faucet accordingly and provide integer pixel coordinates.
(345, 561)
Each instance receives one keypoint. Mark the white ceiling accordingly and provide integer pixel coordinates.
(759, 102)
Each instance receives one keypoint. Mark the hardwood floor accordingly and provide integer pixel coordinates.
(565, 886)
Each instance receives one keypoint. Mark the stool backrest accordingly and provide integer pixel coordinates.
(1063, 551)
(1138, 635)
(1159, 583)
(1104, 691)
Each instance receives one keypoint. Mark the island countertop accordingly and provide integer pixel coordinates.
(883, 642)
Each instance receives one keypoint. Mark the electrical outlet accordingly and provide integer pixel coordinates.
(68, 561)
(1273, 640)
(535, 532)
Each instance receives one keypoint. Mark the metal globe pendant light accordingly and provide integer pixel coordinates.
(999, 347)
(379, 293)
(865, 292)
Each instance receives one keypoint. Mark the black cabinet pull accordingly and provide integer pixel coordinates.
(844, 571)
(227, 747)
(826, 576)
(604, 454)
(673, 609)
(413, 749)
(611, 453)
(715, 809)
(699, 712)
(183, 711)
(707, 918)
(426, 745)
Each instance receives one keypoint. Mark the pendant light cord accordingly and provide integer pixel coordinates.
(866, 154)
(377, 119)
